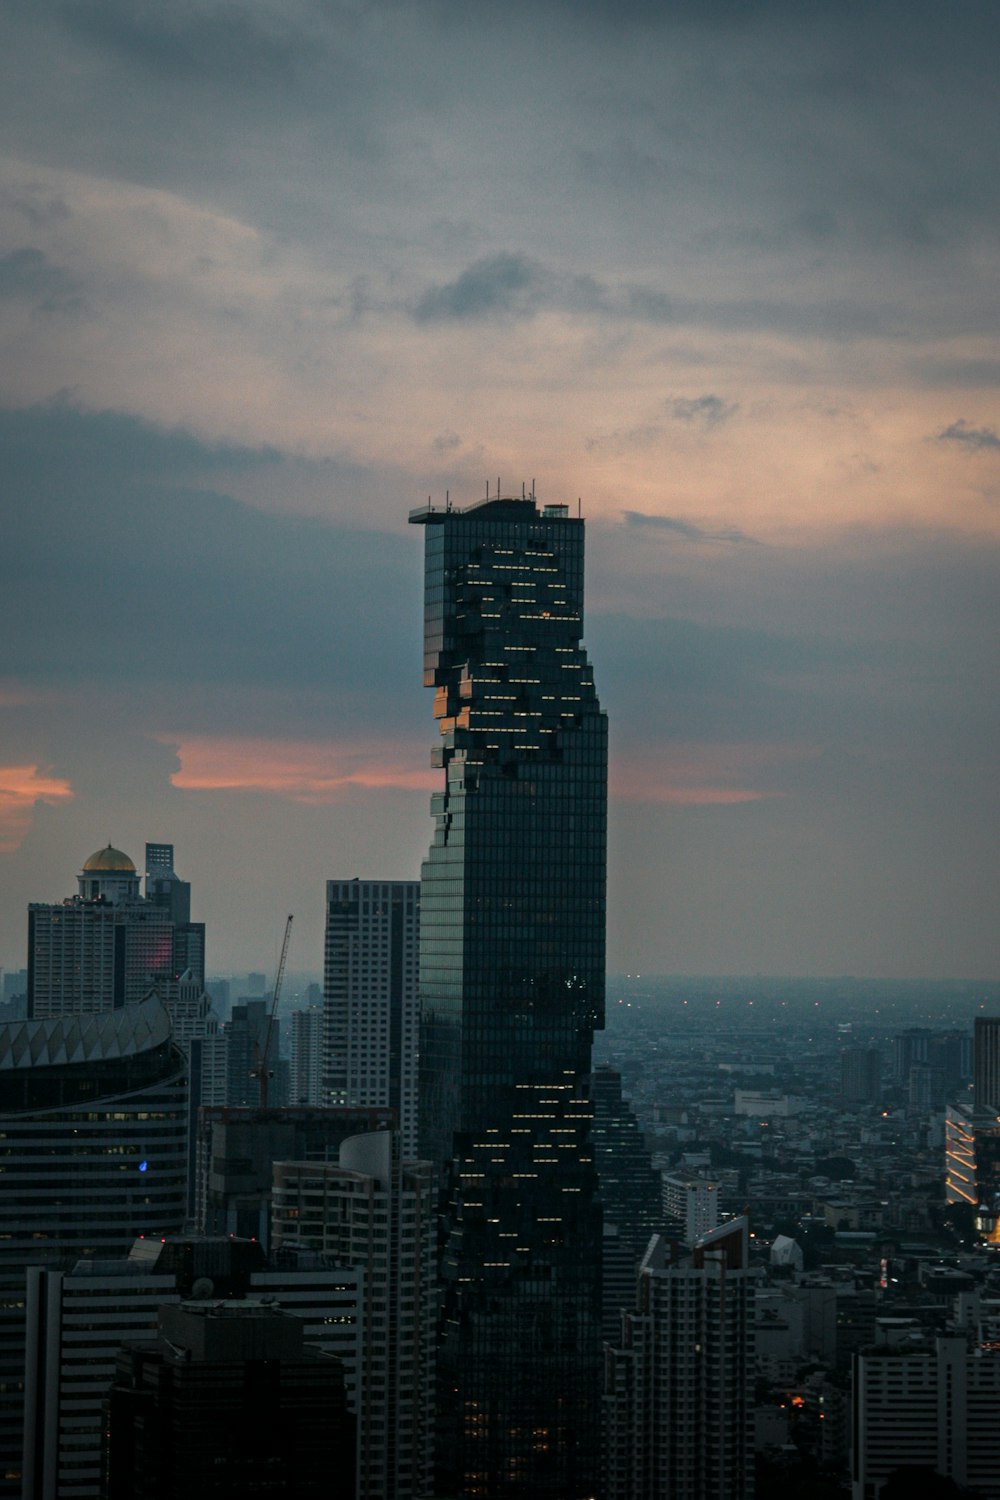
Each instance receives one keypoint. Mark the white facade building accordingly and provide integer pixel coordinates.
(306, 1073)
(933, 1405)
(370, 1000)
(691, 1201)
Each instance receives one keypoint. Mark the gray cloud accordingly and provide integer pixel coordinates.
(504, 285)
(120, 566)
(686, 529)
(974, 438)
(709, 410)
(27, 273)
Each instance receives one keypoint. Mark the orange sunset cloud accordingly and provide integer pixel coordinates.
(20, 788)
(303, 770)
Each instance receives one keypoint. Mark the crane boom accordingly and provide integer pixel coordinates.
(261, 1070)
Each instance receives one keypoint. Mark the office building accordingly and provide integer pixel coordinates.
(512, 961)
(678, 1403)
(370, 997)
(372, 1211)
(228, 1402)
(93, 1152)
(933, 1405)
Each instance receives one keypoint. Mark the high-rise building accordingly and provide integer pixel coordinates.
(93, 1152)
(512, 967)
(935, 1406)
(986, 1064)
(678, 1403)
(247, 1034)
(229, 1402)
(237, 1149)
(860, 1075)
(373, 1211)
(79, 1318)
(690, 1204)
(107, 945)
(370, 997)
(306, 1061)
(164, 888)
(630, 1194)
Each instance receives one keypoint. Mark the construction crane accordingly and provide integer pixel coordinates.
(260, 1070)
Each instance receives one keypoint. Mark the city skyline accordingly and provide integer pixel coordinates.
(726, 273)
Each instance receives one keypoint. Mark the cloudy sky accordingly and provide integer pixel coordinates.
(274, 271)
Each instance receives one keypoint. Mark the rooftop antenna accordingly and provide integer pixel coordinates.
(498, 486)
(579, 503)
(532, 489)
(447, 499)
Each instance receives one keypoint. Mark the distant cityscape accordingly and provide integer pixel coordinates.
(444, 1211)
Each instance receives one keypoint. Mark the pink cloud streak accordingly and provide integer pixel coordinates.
(21, 787)
(301, 770)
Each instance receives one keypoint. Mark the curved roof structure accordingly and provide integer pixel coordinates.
(105, 1037)
(107, 861)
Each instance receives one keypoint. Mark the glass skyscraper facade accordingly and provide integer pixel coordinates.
(512, 959)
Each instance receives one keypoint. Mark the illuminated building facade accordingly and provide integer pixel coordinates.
(512, 959)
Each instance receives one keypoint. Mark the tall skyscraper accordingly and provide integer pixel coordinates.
(512, 989)
(370, 997)
(679, 1388)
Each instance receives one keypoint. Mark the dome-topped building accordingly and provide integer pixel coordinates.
(108, 858)
(108, 945)
(109, 875)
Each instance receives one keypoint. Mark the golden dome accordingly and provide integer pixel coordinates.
(107, 860)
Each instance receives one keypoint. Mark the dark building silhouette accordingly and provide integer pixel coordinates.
(631, 1194)
(512, 951)
(93, 1153)
(237, 1149)
(860, 1075)
(228, 1403)
(986, 1064)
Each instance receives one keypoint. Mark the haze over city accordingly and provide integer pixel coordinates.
(270, 275)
